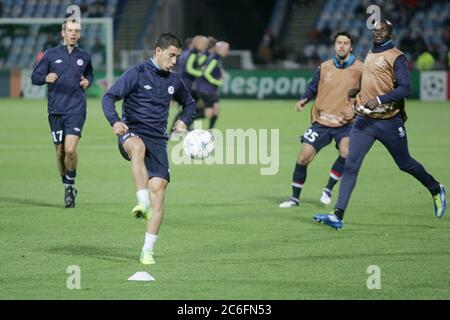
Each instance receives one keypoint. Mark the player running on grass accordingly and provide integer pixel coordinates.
(331, 115)
(381, 116)
(67, 71)
(208, 85)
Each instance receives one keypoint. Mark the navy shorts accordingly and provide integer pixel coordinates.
(64, 124)
(156, 160)
(320, 136)
(208, 99)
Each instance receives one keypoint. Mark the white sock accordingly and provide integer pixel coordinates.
(150, 240)
(143, 198)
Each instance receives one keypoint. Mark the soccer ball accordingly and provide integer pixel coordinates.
(198, 144)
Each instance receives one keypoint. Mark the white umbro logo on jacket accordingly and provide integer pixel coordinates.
(147, 87)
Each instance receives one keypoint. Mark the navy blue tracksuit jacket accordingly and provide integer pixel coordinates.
(65, 96)
(147, 92)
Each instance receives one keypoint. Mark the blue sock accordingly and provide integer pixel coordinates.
(298, 179)
(69, 177)
(335, 173)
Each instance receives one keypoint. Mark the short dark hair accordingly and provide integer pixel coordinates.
(168, 39)
(343, 33)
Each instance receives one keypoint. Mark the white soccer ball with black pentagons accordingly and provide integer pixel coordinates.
(198, 144)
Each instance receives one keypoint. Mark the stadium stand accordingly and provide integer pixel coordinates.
(20, 43)
(421, 26)
(422, 29)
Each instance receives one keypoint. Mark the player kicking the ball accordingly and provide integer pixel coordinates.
(147, 90)
(331, 115)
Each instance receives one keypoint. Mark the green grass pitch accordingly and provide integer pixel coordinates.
(223, 236)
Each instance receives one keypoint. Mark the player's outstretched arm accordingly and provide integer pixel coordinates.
(313, 86)
(184, 98)
(300, 105)
(310, 92)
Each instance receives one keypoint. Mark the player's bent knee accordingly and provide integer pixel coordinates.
(135, 148)
(305, 157)
(138, 150)
(307, 154)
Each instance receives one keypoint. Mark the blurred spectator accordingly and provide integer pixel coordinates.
(97, 9)
(425, 61)
(265, 50)
(270, 50)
